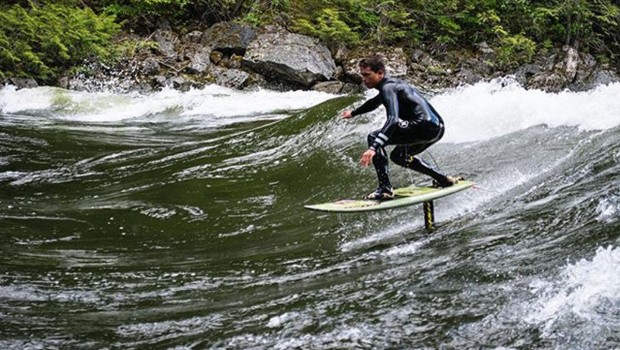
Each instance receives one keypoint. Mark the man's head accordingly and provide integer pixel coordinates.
(372, 70)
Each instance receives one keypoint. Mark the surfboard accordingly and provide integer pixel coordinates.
(403, 197)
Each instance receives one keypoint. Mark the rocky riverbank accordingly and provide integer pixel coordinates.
(241, 57)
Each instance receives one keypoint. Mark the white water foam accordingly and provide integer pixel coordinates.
(212, 104)
(475, 112)
(608, 209)
(489, 109)
(588, 290)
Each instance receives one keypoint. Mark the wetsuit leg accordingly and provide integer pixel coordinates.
(380, 162)
(404, 155)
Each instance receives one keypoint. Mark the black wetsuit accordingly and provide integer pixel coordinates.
(412, 124)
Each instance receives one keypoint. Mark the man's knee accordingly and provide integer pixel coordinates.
(399, 158)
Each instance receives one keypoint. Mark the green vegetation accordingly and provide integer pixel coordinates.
(42, 40)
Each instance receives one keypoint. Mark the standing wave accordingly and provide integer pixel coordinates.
(178, 223)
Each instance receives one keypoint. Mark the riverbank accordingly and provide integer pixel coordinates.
(244, 58)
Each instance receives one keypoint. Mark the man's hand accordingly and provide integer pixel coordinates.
(367, 158)
(346, 114)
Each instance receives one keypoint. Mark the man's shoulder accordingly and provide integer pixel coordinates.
(393, 84)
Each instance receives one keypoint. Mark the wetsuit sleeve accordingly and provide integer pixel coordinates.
(390, 100)
(368, 106)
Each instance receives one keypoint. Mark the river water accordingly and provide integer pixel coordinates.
(175, 220)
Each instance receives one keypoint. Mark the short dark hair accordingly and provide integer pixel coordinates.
(375, 63)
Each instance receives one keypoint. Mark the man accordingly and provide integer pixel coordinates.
(412, 125)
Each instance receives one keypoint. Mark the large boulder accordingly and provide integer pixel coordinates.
(290, 58)
(229, 38)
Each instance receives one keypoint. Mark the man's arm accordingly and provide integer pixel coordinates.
(390, 100)
(368, 106)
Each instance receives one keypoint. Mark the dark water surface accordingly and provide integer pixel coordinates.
(135, 234)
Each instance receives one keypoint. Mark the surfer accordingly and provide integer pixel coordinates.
(412, 125)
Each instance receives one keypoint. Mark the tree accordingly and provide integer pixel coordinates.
(40, 41)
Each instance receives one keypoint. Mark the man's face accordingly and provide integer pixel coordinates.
(371, 79)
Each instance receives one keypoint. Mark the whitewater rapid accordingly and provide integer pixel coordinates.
(472, 113)
(175, 220)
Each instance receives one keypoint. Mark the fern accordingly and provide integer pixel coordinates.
(44, 40)
(329, 27)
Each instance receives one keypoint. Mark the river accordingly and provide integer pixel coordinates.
(175, 220)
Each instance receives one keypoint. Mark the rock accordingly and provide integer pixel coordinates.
(240, 57)
(293, 59)
(23, 83)
(167, 42)
(553, 82)
(228, 37)
(200, 61)
(159, 80)
(234, 62)
(150, 66)
(586, 69)
(143, 88)
(396, 65)
(468, 76)
(177, 81)
(526, 72)
(596, 78)
(337, 87)
(484, 49)
(216, 57)
(193, 37)
(331, 87)
(571, 63)
(340, 54)
(255, 80)
(232, 78)
(182, 84)
(568, 69)
(350, 70)
(549, 62)
(422, 58)
(349, 88)
(605, 77)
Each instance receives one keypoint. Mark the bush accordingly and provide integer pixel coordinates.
(137, 13)
(41, 41)
(328, 26)
(515, 49)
